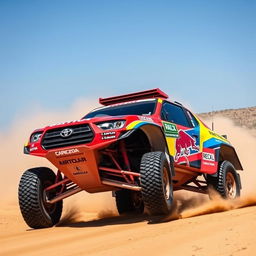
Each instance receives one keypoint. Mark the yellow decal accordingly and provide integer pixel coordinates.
(160, 100)
(133, 124)
(206, 134)
(171, 145)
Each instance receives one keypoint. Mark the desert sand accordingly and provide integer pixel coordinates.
(90, 224)
(225, 233)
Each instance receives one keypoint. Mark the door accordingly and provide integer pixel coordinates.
(182, 134)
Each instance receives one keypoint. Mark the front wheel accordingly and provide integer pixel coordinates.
(227, 182)
(156, 183)
(36, 212)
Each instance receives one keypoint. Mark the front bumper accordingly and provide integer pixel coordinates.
(80, 165)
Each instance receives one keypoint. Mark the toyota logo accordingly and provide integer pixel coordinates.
(66, 132)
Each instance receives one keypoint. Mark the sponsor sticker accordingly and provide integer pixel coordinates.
(208, 156)
(208, 163)
(108, 135)
(33, 149)
(67, 152)
(73, 161)
(170, 130)
(217, 135)
(145, 118)
(185, 145)
(79, 172)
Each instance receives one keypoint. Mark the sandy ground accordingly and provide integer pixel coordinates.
(224, 233)
(91, 226)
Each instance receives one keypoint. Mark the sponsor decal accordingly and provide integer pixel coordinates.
(108, 135)
(33, 149)
(208, 163)
(145, 118)
(67, 152)
(73, 161)
(217, 135)
(170, 130)
(184, 144)
(208, 156)
(79, 172)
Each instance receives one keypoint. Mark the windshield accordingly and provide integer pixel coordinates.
(138, 108)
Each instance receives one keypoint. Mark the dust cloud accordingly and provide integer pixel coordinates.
(85, 207)
(102, 205)
(191, 204)
(13, 161)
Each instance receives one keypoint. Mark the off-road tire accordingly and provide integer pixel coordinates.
(155, 173)
(126, 204)
(35, 211)
(227, 182)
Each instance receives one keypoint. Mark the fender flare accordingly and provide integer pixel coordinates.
(227, 152)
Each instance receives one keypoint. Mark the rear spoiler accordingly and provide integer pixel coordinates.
(154, 93)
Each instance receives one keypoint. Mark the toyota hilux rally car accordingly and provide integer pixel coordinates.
(140, 146)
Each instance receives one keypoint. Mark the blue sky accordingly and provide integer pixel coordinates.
(53, 52)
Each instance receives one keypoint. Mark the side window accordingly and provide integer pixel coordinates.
(192, 119)
(175, 114)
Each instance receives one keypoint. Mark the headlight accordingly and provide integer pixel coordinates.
(111, 125)
(35, 137)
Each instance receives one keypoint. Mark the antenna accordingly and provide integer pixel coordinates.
(212, 119)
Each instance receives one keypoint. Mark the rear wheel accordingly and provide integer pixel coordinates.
(156, 183)
(36, 212)
(227, 183)
(128, 201)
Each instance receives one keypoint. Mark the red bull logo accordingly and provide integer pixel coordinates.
(183, 145)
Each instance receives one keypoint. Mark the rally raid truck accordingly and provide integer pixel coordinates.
(140, 146)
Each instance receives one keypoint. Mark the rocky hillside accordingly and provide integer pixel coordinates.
(245, 117)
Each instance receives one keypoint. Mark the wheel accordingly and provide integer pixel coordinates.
(156, 183)
(36, 212)
(227, 183)
(128, 201)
